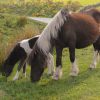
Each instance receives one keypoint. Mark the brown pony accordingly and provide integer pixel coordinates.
(72, 30)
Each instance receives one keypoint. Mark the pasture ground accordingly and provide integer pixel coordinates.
(86, 86)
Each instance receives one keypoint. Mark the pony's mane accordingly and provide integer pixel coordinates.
(50, 31)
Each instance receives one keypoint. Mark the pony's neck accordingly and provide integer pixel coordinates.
(50, 33)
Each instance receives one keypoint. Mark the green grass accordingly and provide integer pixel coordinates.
(86, 86)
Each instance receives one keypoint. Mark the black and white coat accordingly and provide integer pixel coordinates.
(20, 53)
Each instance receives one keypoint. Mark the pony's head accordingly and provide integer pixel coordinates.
(6, 68)
(14, 56)
(37, 61)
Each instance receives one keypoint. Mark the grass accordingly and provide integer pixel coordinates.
(85, 86)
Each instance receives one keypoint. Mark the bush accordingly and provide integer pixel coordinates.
(22, 21)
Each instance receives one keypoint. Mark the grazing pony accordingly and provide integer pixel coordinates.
(20, 53)
(72, 30)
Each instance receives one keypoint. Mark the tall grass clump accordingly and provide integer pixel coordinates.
(22, 21)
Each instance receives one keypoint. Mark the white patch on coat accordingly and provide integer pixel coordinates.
(94, 61)
(25, 45)
(16, 76)
(50, 64)
(74, 69)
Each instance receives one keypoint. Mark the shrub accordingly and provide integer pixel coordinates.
(22, 21)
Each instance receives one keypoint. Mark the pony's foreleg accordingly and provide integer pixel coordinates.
(50, 64)
(94, 61)
(19, 68)
(58, 71)
(16, 76)
(74, 68)
(24, 69)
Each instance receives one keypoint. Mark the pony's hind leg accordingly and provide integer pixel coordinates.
(18, 69)
(74, 68)
(24, 69)
(94, 61)
(16, 76)
(58, 71)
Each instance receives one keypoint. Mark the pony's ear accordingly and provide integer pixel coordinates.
(64, 11)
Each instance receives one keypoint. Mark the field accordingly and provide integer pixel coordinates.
(85, 86)
(14, 27)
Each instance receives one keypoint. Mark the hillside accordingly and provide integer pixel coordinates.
(14, 27)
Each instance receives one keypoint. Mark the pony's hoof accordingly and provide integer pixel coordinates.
(14, 79)
(24, 74)
(57, 74)
(55, 77)
(92, 67)
(73, 74)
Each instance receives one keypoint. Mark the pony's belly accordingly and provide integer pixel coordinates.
(86, 39)
(82, 46)
(85, 43)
